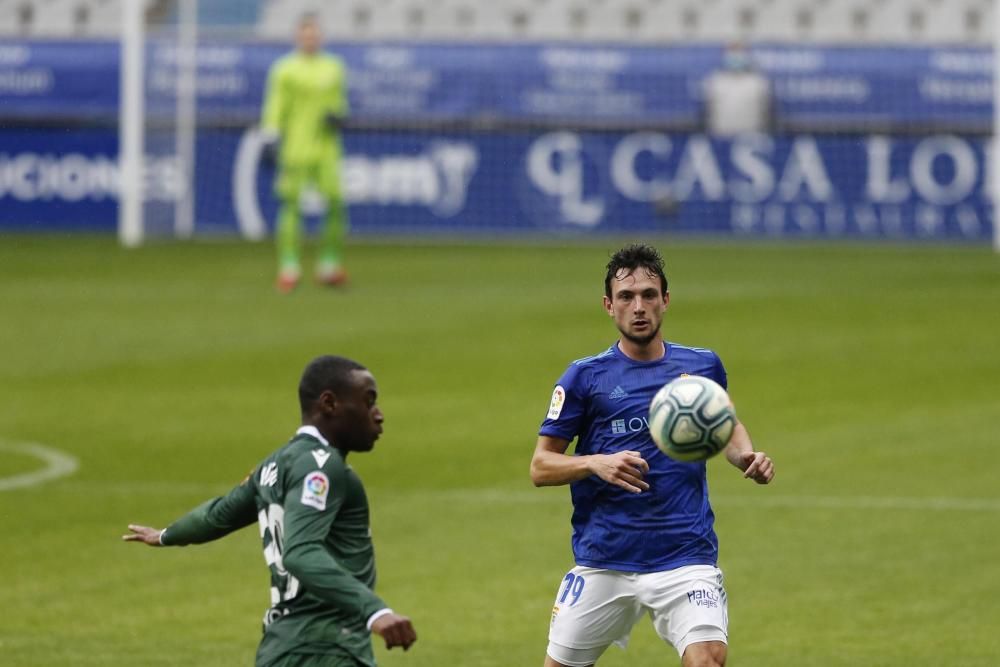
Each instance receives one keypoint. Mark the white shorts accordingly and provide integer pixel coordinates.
(595, 608)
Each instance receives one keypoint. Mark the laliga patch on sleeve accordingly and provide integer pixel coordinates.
(314, 489)
(558, 398)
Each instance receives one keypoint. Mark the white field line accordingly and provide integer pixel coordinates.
(499, 496)
(57, 464)
(762, 499)
(922, 504)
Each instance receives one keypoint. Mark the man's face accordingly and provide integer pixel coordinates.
(358, 417)
(308, 37)
(637, 304)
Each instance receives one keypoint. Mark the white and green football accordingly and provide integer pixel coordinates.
(691, 418)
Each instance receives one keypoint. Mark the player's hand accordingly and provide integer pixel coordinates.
(624, 469)
(269, 153)
(757, 466)
(144, 534)
(334, 121)
(270, 147)
(396, 630)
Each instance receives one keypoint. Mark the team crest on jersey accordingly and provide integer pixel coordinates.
(558, 399)
(314, 490)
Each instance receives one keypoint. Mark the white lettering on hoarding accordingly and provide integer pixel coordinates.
(952, 90)
(805, 171)
(14, 54)
(881, 186)
(609, 60)
(438, 179)
(964, 167)
(73, 177)
(556, 167)
(26, 81)
(866, 218)
(770, 193)
(844, 88)
(624, 174)
(963, 62)
(750, 162)
(699, 169)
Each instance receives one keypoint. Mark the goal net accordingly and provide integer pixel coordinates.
(575, 118)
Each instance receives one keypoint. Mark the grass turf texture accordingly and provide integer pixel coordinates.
(868, 373)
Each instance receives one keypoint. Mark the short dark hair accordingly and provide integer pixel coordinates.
(632, 257)
(308, 18)
(325, 373)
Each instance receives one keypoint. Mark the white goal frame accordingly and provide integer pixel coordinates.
(994, 167)
(132, 112)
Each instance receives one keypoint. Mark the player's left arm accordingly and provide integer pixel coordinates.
(740, 452)
(274, 111)
(338, 107)
(209, 521)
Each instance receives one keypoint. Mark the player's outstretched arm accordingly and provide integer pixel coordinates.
(550, 466)
(396, 630)
(209, 521)
(144, 534)
(740, 452)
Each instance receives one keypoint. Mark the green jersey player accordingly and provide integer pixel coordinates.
(313, 517)
(304, 106)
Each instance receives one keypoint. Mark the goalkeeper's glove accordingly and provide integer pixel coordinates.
(270, 147)
(334, 121)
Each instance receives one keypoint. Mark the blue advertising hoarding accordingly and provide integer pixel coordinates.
(563, 182)
(612, 86)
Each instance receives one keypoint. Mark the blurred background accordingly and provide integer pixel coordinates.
(815, 118)
(817, 174)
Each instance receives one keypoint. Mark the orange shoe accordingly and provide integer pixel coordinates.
(287, 281)
(335, 277)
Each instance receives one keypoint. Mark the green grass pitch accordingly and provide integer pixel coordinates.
(871, 374)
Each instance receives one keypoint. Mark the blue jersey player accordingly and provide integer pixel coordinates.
(643, 537)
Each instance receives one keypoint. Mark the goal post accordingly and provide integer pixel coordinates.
(186, 113)
(994, 169)
(157, 126)
(130, 129)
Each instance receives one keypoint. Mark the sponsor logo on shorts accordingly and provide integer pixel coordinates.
(702, 597)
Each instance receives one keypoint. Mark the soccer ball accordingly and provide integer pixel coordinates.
(691, 418)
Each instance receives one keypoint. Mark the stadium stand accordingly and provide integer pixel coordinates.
(656, 21)
(958, 22)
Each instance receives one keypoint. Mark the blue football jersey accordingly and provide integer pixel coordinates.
(603, 401)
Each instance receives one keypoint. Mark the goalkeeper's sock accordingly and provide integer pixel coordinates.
(289, 237)
(329, 269)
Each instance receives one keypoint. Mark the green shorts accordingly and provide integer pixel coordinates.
(334, 658)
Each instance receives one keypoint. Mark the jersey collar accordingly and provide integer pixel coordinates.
(314, 432)
(617, 351)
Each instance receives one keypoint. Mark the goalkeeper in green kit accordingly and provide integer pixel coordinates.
(304, 107)
(314, 525)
